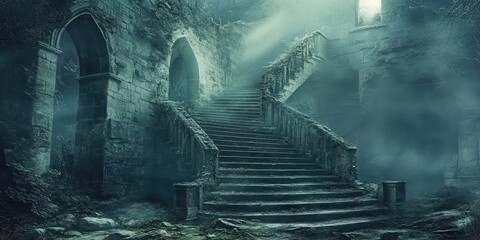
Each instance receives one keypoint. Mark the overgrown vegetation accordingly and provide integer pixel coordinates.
(28, 21)
(473, 228)
(170, 14)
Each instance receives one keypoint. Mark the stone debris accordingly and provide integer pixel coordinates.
(66, 220)
(120, 234)
(72, 234)
(37, 233)
(229, 223)
(390, 236)
(167, 224)
(95, 224)
(56, 230)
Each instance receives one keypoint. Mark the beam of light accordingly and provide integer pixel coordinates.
(369, 11)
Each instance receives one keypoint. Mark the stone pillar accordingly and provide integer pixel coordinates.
(43, 105)
(464, 169)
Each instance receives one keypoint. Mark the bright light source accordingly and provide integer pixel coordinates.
(369, 11)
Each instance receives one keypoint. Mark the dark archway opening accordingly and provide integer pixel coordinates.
(84, 53)
(66, 105)
(184, 74)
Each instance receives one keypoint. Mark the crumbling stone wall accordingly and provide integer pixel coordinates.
(115, 137)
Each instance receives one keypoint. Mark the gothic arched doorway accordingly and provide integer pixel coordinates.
(77, 97)
(184, 73)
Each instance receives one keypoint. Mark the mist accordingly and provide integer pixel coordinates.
(406, 122)
(285, 21)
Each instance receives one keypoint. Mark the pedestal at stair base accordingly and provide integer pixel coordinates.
(188, 199)
(393, 194)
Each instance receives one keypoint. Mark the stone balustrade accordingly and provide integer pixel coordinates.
(198, 151)
(301, 56)
(328, 150)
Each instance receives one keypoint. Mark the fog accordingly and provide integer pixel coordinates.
(407, 125)
(285, 21)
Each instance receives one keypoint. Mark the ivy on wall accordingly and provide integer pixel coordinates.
(29, 21)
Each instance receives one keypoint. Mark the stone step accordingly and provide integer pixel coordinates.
(264, 165)
(260, 153)
(271, 172)
(248, 114)
(236, 130)
(302, 216)
(227, 115)
(241, 126)
(239, 95)
(238, 133)
(276, 179)
(230, 109)
(253, 122)
(239, 100)
(217, 104)
(226, 136)
(283, 148)
(230, 142)
(227, 118)
(259, 206)
(232, 123)
(286, 195)
(234, 107)
(278, 187)
(264, 159)
(344, 224)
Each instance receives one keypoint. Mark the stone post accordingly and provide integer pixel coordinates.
(187, 200)
(393, 194)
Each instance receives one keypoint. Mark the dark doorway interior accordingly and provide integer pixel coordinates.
(184, 75)
(66, 104)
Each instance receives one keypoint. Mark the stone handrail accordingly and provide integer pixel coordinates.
(191, 141)
(312, 47)
(329, 151)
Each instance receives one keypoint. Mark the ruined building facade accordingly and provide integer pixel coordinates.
(129, 64)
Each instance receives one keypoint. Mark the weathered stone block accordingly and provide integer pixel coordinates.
(188, 200)
(394, 194)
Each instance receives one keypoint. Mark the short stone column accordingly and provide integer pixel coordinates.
(188, 200)
(393, 194)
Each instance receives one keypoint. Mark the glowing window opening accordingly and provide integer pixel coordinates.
(368, 12)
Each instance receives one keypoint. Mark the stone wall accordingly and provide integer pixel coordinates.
(115, 135)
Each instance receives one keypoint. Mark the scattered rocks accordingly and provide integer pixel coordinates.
(229, 223)
(164, 233)
(56, 230)
(120, 235)
(211, 236)
(154, 234)
(36, 233)
(390, 236)
(167, 224)
(66, 220)
(95, 224)
(72, 234)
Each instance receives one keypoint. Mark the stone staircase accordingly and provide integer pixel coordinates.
(261, 177)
